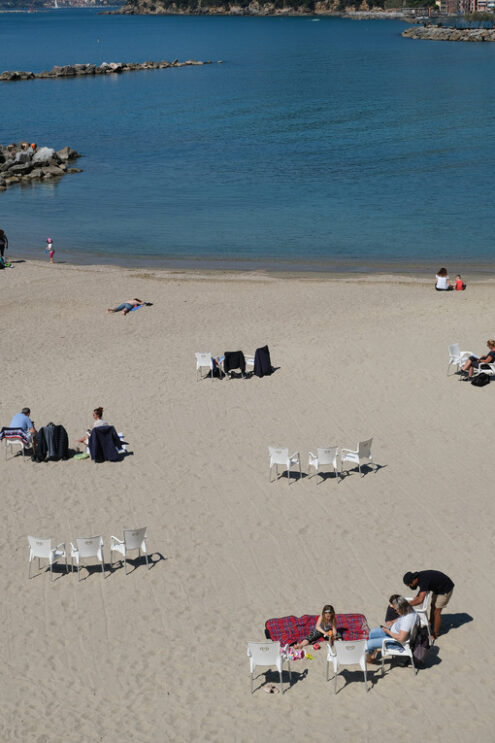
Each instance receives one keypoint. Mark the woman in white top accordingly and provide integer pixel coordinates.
(398, 630)
(442, 281)
(98, 421)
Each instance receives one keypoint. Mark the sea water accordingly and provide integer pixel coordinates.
(322, 145)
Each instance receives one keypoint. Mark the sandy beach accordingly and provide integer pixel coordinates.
(160, 654)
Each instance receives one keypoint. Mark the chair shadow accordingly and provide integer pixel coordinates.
(391, 664)
(454, 621)
(366, 469)
(349, 677)
(272, 677)
(153, 559)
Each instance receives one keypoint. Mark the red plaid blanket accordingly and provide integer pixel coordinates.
(19, 434)
(289, 630)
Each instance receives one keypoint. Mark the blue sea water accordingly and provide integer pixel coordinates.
(315, 145)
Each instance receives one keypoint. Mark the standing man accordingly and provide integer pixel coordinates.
(441, 587)
(4, 243)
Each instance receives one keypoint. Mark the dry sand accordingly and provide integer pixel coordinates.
(160, 654)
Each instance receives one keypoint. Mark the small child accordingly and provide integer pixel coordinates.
(459, 283)
(325, 629)
(49, 248)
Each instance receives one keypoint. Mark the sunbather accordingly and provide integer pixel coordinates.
(98, 421)
(325, 628)
(399, 630)
(474, 362)
(127, 306)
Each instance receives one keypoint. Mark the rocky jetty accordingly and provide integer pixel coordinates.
(105, 68)
(25, 163)
(439, 33)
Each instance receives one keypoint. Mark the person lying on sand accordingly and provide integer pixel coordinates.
(128, 305)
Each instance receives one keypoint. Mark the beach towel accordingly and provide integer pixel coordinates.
(289, 630)
(19, 434)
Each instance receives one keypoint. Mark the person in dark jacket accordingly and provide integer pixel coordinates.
(52, 441)
(441, 588)
(104, 444)
(262, 362)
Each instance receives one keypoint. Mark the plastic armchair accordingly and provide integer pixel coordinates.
(457, 357)
(249, 359)
(42, 549)
(134, 539)
(203, 361)
(324, 458)
(346, 653)
(361, 455)
(87, 547)
(15, 437)
(484, 368)
(268, 653)
(395, 649)
(280, 456)
(422, 612)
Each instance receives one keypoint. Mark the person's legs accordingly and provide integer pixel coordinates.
(438, 602)
(377, 635)
(123, 306)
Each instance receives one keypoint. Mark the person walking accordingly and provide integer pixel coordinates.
(441, 588)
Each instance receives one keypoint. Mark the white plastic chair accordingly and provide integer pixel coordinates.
(457, 357)
(281, 456)
(484, 368)
(268, 653)
(361, 455)
(203, 361)
(394, 649)
(346, 653)
(42, 549)
(422, 612)
(87, 547)
(324, 458)
(15, 437)
(249, 359)
(134, 539)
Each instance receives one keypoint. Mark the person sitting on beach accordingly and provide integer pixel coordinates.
(442, 281)
(391, 614)
(325, 628)
(127, 306)
(22, 420)
(459, 283)
(98, 421)
(474, 362)
(399, 630)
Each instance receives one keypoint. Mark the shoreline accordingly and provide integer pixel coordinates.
(383, 275)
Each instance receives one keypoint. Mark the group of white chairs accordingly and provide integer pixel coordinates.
(342, 653)
(458, 358)
(329, 457)
(88, 547)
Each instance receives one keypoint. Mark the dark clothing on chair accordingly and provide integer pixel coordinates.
(104, 444)
(52, 442)
(262, 363)
(234, 360)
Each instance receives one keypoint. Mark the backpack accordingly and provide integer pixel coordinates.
(481, 379)
(420, 645)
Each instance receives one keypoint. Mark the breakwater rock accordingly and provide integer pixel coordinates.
(105, 68)
(439, 33)
(24, 163)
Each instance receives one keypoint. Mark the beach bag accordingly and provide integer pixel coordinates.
(481, 380)
(421, 645)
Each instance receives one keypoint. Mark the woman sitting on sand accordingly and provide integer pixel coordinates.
(98, 421)
(474, 362)
(399, 630)
(442, 281)
(127, 306)
(325, 628)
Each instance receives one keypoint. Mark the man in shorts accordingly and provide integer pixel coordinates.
(441, 588)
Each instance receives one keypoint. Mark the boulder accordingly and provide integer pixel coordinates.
(74, 170)
(36, 173)
(43, 155)
(20, 168)
(66, 153)
(52, 170)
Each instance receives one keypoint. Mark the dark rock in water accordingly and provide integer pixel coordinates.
(23, 163)
(66, 153)
(20, 168)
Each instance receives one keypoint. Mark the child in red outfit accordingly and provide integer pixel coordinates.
(459, 283)
(49, 248)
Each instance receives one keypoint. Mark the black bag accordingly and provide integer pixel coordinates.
(481, 380)
(421, 645)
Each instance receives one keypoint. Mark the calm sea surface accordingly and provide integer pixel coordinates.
(316, 145)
